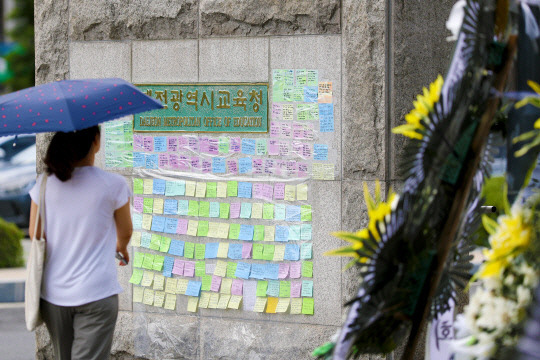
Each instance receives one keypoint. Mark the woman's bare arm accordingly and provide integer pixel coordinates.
(124, 229)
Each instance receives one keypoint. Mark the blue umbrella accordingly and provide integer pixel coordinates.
(70, 105)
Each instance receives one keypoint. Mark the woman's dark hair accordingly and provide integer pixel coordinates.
(66, 149)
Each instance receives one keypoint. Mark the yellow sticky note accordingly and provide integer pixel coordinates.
(190, 188)
(136, 239)
(159, 298)
(192, 227)
(256, 210)
(147, 279)
(269, 233)
(223, 231)
(200, 189)
(181, 286)
(301, 191)
(170, 302)
(279, 252)
(283, 305)
(159, 282)
(296, 306)
(223, 250)
(148, 186)
(226, 284)
(138, 294)
(213, 228)
(260, 304)
(223, 301)
(146, 221)
(192, 304)
(205, 300)
(234, 303)
(290, 193)
(148, 297)
(221, 189)
(170, 286)
(322, 171)
(213, 303)
(221, 268)
(272, 305)
(158, 206)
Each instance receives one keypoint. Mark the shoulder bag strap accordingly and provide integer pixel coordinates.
(41, 207)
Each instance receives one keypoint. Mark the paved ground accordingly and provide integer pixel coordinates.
(16, 343)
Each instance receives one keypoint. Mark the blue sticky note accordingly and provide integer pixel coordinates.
(176, 248)
(248, 146)
(158, 223)
(326, 117)
(311, 94)
(218, 165)
(320, 152)
(210, 251)
(273, 288)
(245, 165)
(235, 251)
(160, 143)
(183, 207)
(279, 212)
(170, 225)
(292, 252)
(293, 213)
(175, 188)
(146, 238)
(294, 232)
(151, 161)
(168, 264)
(159, 187)
(137, 221)
(282, 233)
(245, 211)
(138, 159)
(214, 209)
(193, 288)
(257, 271)
(246, 232)
(244, 190)
(170, 207)
(243, 270)
(271, 271)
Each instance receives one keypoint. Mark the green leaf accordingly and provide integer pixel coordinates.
(489, 224)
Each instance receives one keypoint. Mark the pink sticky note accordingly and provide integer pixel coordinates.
(258, 167)
(269, 166)
(296, 288)
(163, 161)
(307, 151)
(246, 250)
(181, 227)
(148, 143)
(281, 167)
(213, 146)
(235, 210)
(283, 271)
(237, 285)
(257, 191)
(184, 163)
(286, 131)
(183, 143)
(173, 161)
(189, 268)
(303, 170)
(172, 143)
(295, 270)
(195, 163)
(276, 111)
(273, 147)
(193, 143)
(292, 168)
(178, 267)
(308, 131)
(275, 129)
(216, 283)
(298, 131)
(138, 143)
(232, 166)
(267, 192)
(297, 147)
(138, 204)
(279, 191)
(284, 148)
(235, 145)
(206, 166)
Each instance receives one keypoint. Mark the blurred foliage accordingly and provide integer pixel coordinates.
(11, 250)
(22, 61)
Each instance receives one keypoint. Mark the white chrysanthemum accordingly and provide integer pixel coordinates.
(524, 296)
(456, 19)
(492, 283)
(530, 276)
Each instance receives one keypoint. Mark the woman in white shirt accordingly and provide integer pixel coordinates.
(87, 219)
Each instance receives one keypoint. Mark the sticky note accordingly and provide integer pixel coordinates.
(248, 146)
(199, 251)
(181, 286)
(190, 188)
(258, 251)
(279, 191)
(282, 233)
(200, 189)
(148, 297)
(273, 288)
(221, 190)
(272, 305)
(189, 268)
(292, 252)
(147, 279)
(168, 264)
(284, 289)
(138, 259)
(279, 253)
(138, 186)
(189, 249)
(301, 192)
(158, 206)
(307, 269)
(256, 210)
(175, 188)
(223, 301)
(138, 294)
(192, 227)
(283, 271)
(268, 211)
(193, 208)
(320, 152)
(146, 239)
(158, 262)
(222, 230)
(269, 233)
(216, 283)
(246, 250)
(138, 204)
(170, 207)
(204, 208)
(204, 300)
(148, 204)
(243, 270)
(305, 212)
(155, 242)
(293, 213)
(136, 277)
(326, 117)
(218, 165)
(244, 190)
(200, 268)
(307, 306)
(245, 211)
(245, 165)
(170, 301)
(226, 286)
(234, 231)
(158, 187)
(223, 250)
(159, 282)
(235, 251)
(211, 250)
(136, 239)
(258, 233)
(234, 302)
(305, 232)
(176, 248)
(279, 212)
(260, 304)
(306, 251)
(307, 288)
(268, 252)
(231, 270)
(246, 232)
(165, 243)
(236, 288)
(224, 210)
(146, 221)
(171, 225)
(193, 288)
(214, 299)
(290, 193)
(148, 186)
(213, 211)
(232, 188)
(158, 223)
(296, 306)
(262, 287)
(282, 305)
(294, 232)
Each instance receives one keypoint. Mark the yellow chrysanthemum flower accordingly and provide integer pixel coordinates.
(423, 105)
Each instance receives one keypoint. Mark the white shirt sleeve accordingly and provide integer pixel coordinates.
(122, 193)
(34, 192)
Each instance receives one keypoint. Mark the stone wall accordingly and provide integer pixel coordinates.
(377, 53)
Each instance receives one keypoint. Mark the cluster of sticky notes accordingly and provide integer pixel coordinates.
(295, 86)
(118, 144)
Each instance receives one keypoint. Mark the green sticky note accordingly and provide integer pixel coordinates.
(298, 93)
(137, 186)
(136, 277)
(155, 242)
(223, 145)
(234, 231)
(148, 205)
(258, 251)
(199, 251)
(262, 285)
(200, 268)
(165, 244)
(307, 306)
(268, 211)
(211, 189)
(206, 282)
(202, 228)
(231, 270)
(307, 269)
(288, 93)
(193, 208)
(258, 233)
(148, 262)
(285, 289)
(277, 91)
(204, 208)
(189, 249)
(158, 262)
(260, 147)
(305, 212)
(232, 188)
(268, 252)
(138, 259)
(224, 209)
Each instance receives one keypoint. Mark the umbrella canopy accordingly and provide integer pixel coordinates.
(70, 105)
